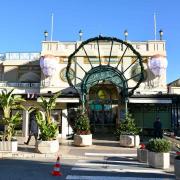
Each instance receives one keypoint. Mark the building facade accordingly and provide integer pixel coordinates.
(105, 102)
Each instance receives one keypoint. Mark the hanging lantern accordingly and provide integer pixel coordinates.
(157, 64)
(48, 64)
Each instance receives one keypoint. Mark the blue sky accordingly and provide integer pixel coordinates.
(23, 22)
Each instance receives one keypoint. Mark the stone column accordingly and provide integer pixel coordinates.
(64, 124)
(25, 123)
(65, 127)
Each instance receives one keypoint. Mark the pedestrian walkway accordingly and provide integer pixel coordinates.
(105, 159)
(116, 167)
(67, 149)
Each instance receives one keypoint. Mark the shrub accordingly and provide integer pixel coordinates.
(127, 126)
(159, 145)
(82, 126)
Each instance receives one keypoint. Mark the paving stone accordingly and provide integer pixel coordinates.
(6, 155)
(29, 155)
(17, 155)
(51, 156)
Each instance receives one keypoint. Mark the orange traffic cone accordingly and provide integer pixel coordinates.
(56, 171)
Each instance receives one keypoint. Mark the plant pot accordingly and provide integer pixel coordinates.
(158, 160)
(142, 155)
(47, 146)
(8, 146)
(129, 140)
(177, 168)
(83, 140)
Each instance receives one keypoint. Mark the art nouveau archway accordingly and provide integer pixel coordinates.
(105, 58)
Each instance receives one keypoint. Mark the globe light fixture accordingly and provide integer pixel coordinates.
(161, 34)
(125, 35)
(45, 35)
(80, 35)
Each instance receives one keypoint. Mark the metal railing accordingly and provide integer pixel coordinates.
(17, 84)
(19, 56)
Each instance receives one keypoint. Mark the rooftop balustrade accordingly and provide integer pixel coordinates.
(19, 56)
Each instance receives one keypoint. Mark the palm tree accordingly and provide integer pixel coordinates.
(48, 105)
(9, 101)
(47, 127)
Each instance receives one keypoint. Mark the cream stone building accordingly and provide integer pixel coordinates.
(104, 100)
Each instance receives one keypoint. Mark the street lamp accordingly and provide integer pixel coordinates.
(161, 34)
(125, 35)
(80, 35)
(45, 35)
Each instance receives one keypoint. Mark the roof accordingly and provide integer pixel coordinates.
(175, 83)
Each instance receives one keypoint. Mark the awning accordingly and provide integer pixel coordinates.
(63, 100)
(150, 100)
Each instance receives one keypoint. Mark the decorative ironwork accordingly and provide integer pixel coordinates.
(94, 73)
(63, 74)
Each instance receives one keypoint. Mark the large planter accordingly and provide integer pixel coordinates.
(8, 146)
(47, 146)
(177, 168)
(83, 140)
(129, 140)
(158, 160)
(142, 155)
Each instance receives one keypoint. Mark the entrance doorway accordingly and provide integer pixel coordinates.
(103, 109)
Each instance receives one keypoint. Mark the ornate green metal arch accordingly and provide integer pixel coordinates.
(100, 72)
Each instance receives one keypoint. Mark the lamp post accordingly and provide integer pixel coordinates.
(80, 35)
(125, 35)
(161, 34)
(45, 35)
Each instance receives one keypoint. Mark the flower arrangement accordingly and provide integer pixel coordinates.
(142, 146)
(178, 152)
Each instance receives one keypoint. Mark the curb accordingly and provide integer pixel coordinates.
(42, 156)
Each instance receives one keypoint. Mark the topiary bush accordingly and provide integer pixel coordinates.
(159, 145)
(127, 126)
(82, 126)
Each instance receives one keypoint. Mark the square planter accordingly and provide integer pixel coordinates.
(8, 146)
(158, 160)
(45, 147)
(142, 155)
(83, 140)
(129, 140)
(177, 168)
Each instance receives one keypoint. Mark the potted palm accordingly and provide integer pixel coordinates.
(158, 153)
(82, 136)
(8, 102)
(128, 132)
(177, 163)
(48, 142)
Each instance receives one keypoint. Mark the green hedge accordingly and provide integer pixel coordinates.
(159, 145)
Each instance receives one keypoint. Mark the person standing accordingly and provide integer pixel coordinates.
(158, 128)
(33, 127)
